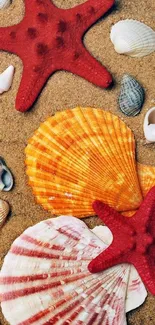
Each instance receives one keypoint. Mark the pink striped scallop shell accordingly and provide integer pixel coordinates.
(44, 279)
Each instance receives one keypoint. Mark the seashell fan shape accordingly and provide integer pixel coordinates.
(133, 38)
(45, 280)
(131, 97)
(82, 155)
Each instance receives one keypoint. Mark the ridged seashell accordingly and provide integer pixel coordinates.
(6, 178)
(149, 125)
(131, 97)
(46, 275)
(4, 210)
(4, 3)
(133, 38)
(146, 176)
(81, 155)
(6, 79)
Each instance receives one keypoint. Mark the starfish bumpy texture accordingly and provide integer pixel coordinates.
(49, 39)
(133, 240)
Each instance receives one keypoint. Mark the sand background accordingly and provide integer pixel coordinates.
(64, 90)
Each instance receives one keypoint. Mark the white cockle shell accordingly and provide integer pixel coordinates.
(4, 210)
(133, 38)
(149, 125)
(131, 96)
(4, 3)
(6, 79)
(45, 278)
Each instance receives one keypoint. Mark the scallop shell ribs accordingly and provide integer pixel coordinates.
(82, 155)
(45, 278)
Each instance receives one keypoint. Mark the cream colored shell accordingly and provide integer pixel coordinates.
(133, 38)
(149, 125)
(4, 210)
(6, 79)
(4, 4)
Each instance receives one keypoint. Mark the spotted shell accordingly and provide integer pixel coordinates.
(4, 210)
(45, 278)
(81, 155)
(131, 97)
(133, 38)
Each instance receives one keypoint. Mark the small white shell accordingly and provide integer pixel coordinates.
(4, 3)
(133, 38)
(6, 79)
(149, 125)
(46, 275)
(6, 178)
(4, 210)
(131, 97)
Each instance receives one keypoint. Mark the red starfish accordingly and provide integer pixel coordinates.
(50, 39)
(133, 240)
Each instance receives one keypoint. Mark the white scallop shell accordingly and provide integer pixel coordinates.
(149, 125)
(6, 79)
(131, 97)
(133, 38)
(45, 278)
(6, 178)
(4, 3)
(4, 210)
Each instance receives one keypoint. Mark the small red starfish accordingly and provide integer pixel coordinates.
(50, 39)
(133, 240)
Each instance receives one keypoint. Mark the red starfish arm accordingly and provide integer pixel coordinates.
(112, 218)
(148, 205)
(33, 80)
(8, 39)
(146, 272)
(90, 11)
(112, 256)
(86, 66)
(42, 4)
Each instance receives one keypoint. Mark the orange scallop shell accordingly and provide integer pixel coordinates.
(81, 155)
(146, 176)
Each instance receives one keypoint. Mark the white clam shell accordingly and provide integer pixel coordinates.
(45, 278)
(4, 210)
(131, 96)
(6, 178)
(6, 79)
(4, 3)
(149, 125)
(133, 38)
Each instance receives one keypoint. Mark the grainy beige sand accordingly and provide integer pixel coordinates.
(64, 90)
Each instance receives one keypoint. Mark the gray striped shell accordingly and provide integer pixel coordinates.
(131, 97)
